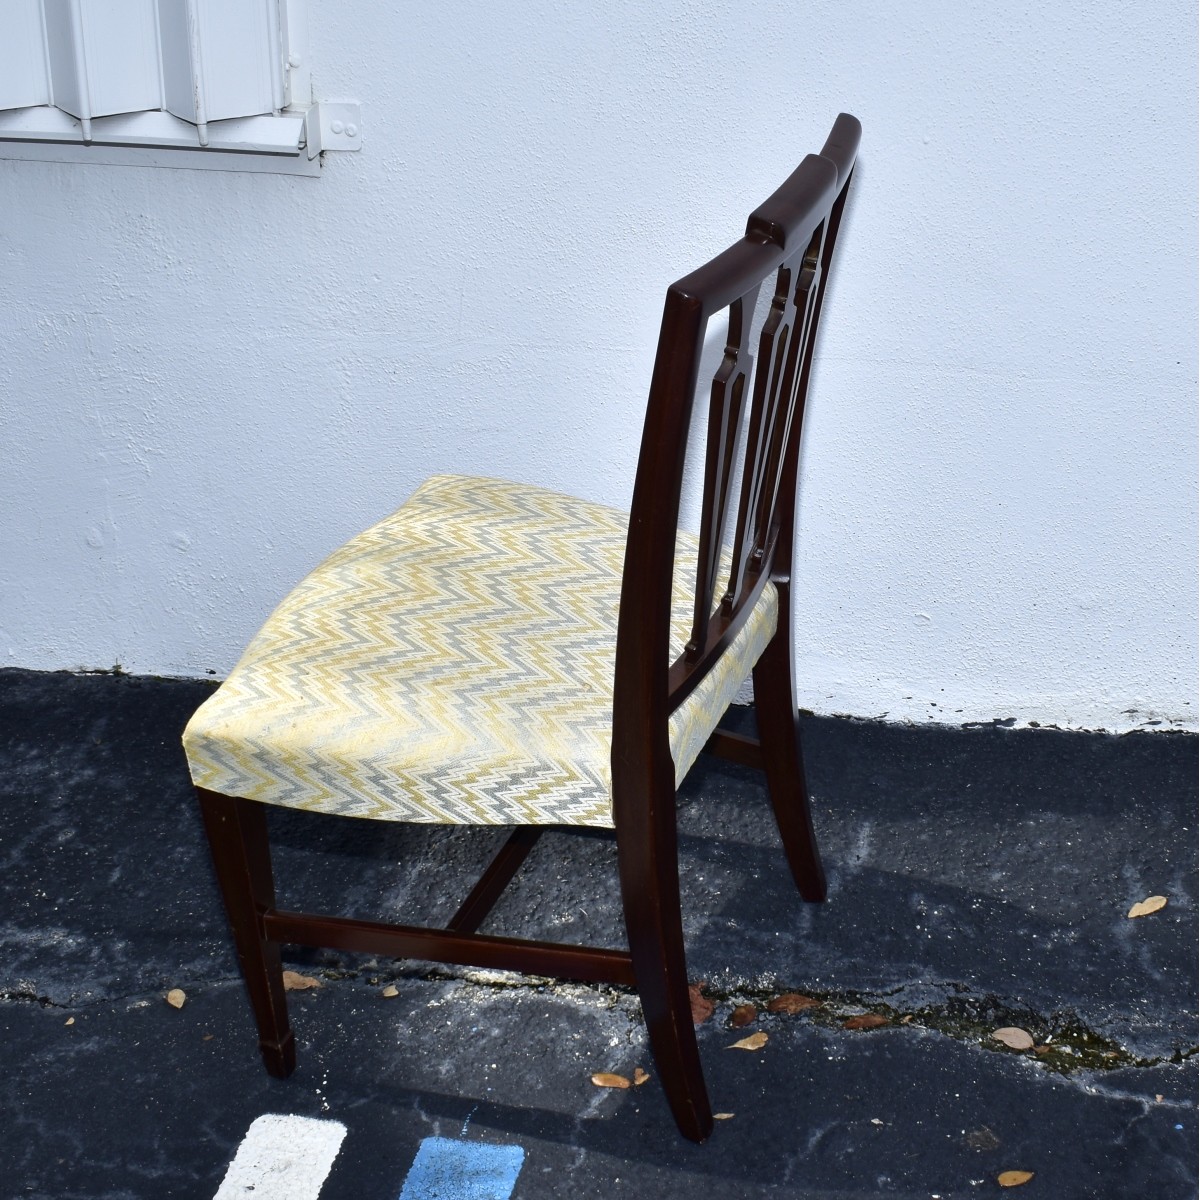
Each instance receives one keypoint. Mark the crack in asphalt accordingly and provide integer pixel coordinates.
(1063, 1042)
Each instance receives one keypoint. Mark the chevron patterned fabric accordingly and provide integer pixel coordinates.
(454, 664)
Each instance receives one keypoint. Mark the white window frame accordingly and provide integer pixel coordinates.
(209, 84)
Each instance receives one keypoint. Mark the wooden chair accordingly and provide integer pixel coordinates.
(495, 653)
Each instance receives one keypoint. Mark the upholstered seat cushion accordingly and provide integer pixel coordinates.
(454, 663)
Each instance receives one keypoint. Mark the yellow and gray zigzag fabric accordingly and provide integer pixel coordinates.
(454, 663)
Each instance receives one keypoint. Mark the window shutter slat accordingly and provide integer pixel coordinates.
(103, 56)
(220, 58)
(24, 77)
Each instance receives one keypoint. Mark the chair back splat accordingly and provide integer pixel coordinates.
(496, 653)
(792, 235)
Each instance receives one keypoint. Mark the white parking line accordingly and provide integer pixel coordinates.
(282, 1158)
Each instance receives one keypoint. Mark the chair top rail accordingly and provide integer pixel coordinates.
(773, 233)
(786, 220)
(782, 217)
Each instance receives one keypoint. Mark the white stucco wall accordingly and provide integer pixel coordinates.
(209, 380)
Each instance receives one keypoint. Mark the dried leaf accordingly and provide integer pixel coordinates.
(1014, 1038)
(702, 1006)
(176, 997)
(792, 1002)
(71, 1021)
(293, 981)
(639, 1076)
(390, 991)
(722, 1116)
(1042, 1049)
(605, 1079)
(743, 1015)
(756, 1041)
(866, 1021)
(1013, 1178)
(1151, 904)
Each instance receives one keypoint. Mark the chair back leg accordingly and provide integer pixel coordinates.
(782, 758)
(237, 834)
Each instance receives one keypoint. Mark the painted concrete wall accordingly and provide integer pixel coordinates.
(207, 381)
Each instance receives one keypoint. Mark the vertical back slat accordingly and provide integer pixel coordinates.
(725, 406)
(775, 362)
(816, 293)
(794, 383)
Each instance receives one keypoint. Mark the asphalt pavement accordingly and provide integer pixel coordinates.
(980, 878)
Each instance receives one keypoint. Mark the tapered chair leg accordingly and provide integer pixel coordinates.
(649, 869)
(237, 834)
(779, 736)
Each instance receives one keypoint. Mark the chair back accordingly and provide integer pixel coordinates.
(789, 243)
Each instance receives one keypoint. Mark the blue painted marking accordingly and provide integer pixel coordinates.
(446, 1169)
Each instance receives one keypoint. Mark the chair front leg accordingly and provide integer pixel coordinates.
(783, 761)
(649, 871)
(237, 834)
